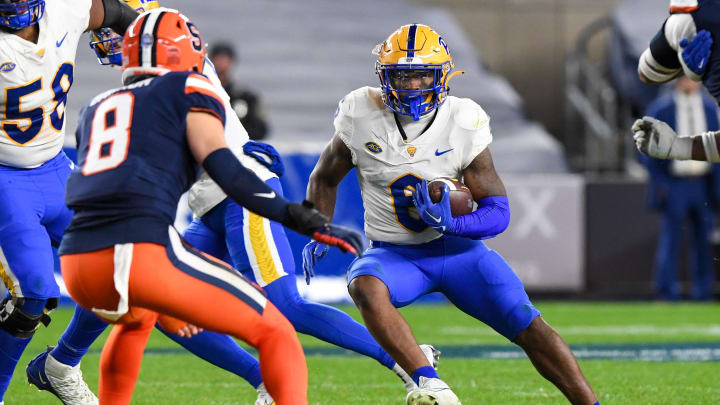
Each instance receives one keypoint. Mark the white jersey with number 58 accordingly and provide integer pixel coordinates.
(388, 167)
(34, 82)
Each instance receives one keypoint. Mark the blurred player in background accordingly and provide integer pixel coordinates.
(256, 246)
(685, 192)
(121, 256)
(37, 57)
(683, 46)
(396, 136)
(245, 103)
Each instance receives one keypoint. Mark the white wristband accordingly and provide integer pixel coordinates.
(710, 146)
(681, 148)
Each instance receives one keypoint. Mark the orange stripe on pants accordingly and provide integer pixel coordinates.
(157, 285)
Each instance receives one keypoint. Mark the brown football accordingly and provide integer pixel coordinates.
(461, 201)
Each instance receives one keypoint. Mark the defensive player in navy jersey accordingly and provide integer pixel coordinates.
(38, 42)
(121, 257)
(254, 245)
(688, 43)
(395, 136)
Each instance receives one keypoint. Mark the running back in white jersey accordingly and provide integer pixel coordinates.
(205, 193)
(389, 167)
(34, 82)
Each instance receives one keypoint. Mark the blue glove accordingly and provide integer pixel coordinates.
(311, 254)
(696, 52)
(437, 216)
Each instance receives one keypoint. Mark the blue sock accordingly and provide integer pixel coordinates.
(11, 347)
(597, 403)
(82, 331)
(425, 371)
(222, 351)
(324, 322)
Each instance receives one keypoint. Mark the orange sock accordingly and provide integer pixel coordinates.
(121, 357)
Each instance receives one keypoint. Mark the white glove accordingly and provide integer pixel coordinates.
(656, 139)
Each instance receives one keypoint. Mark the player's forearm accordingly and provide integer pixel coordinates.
(244, 187)
(652, 72)
(117, 15)
(705, 147)
(490, 219)
(322, 195)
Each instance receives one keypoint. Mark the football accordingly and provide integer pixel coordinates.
(461, 200)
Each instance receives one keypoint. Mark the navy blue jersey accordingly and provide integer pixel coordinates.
(134, 161)
(707, 17)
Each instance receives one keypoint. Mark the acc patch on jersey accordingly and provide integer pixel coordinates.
(7, 67)
(373, 147)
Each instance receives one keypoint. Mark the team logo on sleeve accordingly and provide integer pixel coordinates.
(373, 147)
(7, 67)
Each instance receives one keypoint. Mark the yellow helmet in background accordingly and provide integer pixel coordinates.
(414, 51)
(107, 44)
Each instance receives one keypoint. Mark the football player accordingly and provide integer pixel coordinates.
(684, 45)
(37, 57)
(256, 246)
(121, 257)
(396, 136)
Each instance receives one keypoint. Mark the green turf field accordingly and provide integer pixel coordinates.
(678, 347)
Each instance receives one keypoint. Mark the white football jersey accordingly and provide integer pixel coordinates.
(205, 193)
(34, 82)
(388, 168)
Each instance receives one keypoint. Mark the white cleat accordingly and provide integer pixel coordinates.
(63, 381)
(433, 357)
(264, 397)
(432, 391)
(432, 354)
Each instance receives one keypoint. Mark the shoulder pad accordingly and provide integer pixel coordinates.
(361, 102)
(468, 114)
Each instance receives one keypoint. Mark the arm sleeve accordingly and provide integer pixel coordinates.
(662, 60)
(243, 186)
(490, 219)
(118, 15)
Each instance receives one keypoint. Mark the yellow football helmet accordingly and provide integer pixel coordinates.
(107, 44)
(414, 66)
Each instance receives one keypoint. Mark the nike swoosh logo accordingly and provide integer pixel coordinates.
(434, 219)
(700, 65)
(265, 195)
(40, 377)
(60, 42)
(438, 153)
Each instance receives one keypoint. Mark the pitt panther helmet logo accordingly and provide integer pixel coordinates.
(414, 53)
(373, 147)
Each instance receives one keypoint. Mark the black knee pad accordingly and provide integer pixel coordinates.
(19, 323)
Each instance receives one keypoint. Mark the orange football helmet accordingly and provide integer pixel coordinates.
(160, 41)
